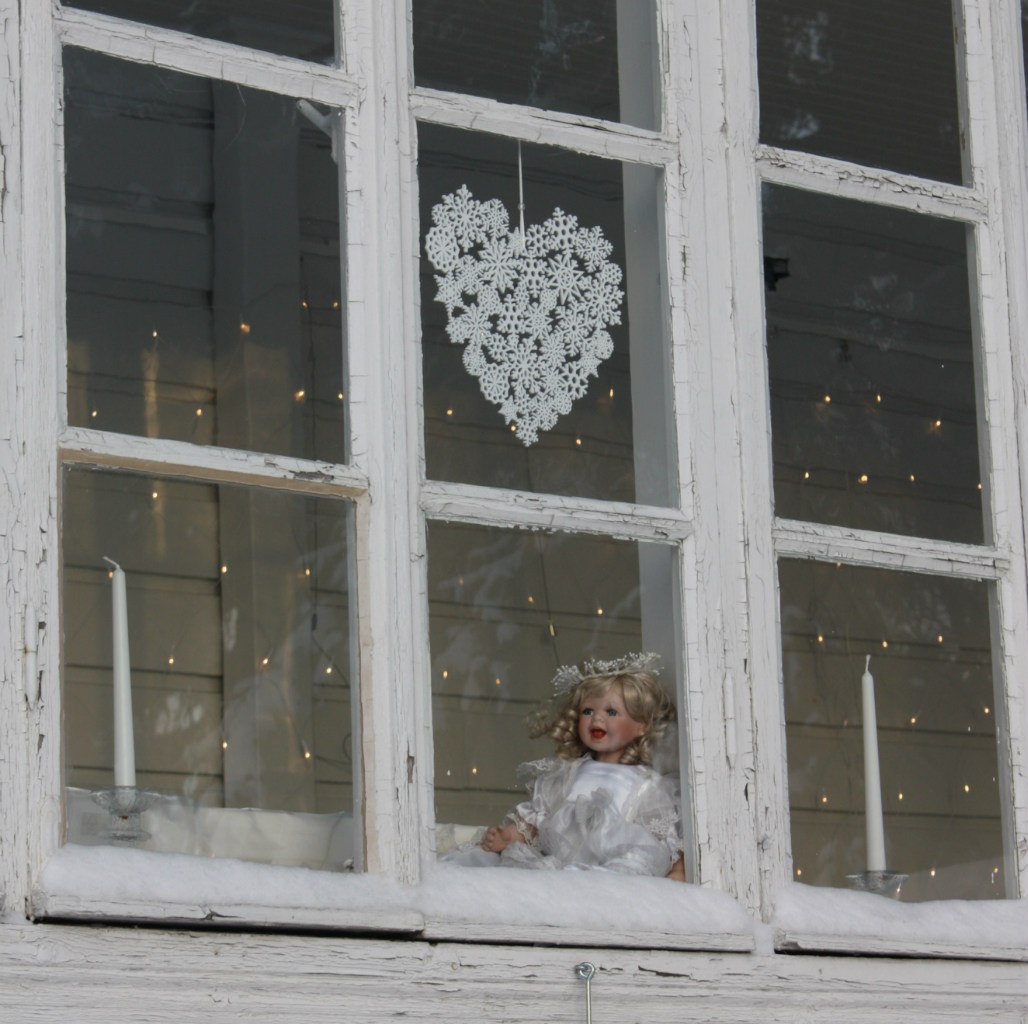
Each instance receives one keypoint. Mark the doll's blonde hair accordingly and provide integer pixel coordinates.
(646, 701)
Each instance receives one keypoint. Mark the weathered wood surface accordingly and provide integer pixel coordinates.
(86, 975)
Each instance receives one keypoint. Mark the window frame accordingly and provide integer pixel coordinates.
(787, 905)
(722, 524)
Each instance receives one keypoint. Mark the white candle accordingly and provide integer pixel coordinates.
(124, 743)
(872, 776)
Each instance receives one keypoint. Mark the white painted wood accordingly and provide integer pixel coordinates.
(381, 253)
(1011, 180)
(870, 185)
(14, 567)
(816, 942)
(580, 134)
(148, 44)
(182, 460)
(888, 551)
(96, 975)
(463, 503)
(39, 796)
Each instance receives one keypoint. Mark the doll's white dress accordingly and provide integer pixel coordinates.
(586, 814)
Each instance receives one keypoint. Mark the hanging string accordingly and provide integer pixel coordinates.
(521, 201)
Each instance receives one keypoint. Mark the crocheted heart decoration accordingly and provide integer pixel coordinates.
(530, 310)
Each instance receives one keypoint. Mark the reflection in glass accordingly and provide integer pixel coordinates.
(204, 294)
(506, 609)
(615, 442)
(871, 81)
(871, 363)
(592, 57)
(238, 617)
(300, 28)
(931, 660)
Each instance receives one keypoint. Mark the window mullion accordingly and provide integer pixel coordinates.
(384, 428)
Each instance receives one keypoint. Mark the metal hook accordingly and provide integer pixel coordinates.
(585, 971)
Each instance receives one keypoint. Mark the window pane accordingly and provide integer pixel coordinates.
(871, 363)
(300, 28)
(204, 295)
(507, 608)
(545, 367)
(238, 611)
(932, 669)
(592, 57)
(871, 81)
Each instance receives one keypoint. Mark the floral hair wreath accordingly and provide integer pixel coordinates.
(569, 676)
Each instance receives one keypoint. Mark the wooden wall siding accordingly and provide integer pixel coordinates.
(94, 975)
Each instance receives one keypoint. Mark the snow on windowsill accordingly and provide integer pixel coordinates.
(560, 906)
(837, 920)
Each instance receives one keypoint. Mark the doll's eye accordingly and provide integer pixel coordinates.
(587, 711)
(612, 712)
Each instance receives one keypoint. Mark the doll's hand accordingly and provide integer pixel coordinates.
(499, 837)
(677, 872)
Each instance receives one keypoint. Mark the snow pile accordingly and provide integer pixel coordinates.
(583, 900)
(597, 900)
(813, 911)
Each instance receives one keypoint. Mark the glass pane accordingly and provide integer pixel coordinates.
(871, 81)
(593, 57)
(239, 667)
(545, 363)
(300, 28)
(872, 367)
(932, 675)
(204, 288)
(507, 608)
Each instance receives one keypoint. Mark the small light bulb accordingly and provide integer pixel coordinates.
(799, 872)
(264, 661)
(199, 412)
(303, 303)
(828, 399)
(498, 683)
(806, 474)
(979, 486)
(153, 494)
(913, 479)
(932, 872)
(913, 719)
(863, 478)
(938, 639)
(328, 670)
(171, 660)
(820, 638)
(885, 643)
(611, 394)
(531, 600)
(967, 788)
(94, 414)
(306, 754)
(153, 333)
(446, 674)
(449, 412)
(599, 611)
(474, 771)
(224, 744)
(244, 328)
(513, 428)
(986, 710)
(340, 396)
(878, 398)
(307, 571)
(938, 423)
(224, 569)
(300, 395)
(900, 796)
(824, 798)
(578, 441)
(335, 304)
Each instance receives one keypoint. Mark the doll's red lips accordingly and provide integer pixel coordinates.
(597, 734)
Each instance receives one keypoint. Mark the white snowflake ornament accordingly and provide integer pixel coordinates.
(531, 310)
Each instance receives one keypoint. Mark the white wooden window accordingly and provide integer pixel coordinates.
(349, 578)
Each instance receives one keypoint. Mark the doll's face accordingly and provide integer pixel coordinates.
(605, 727)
